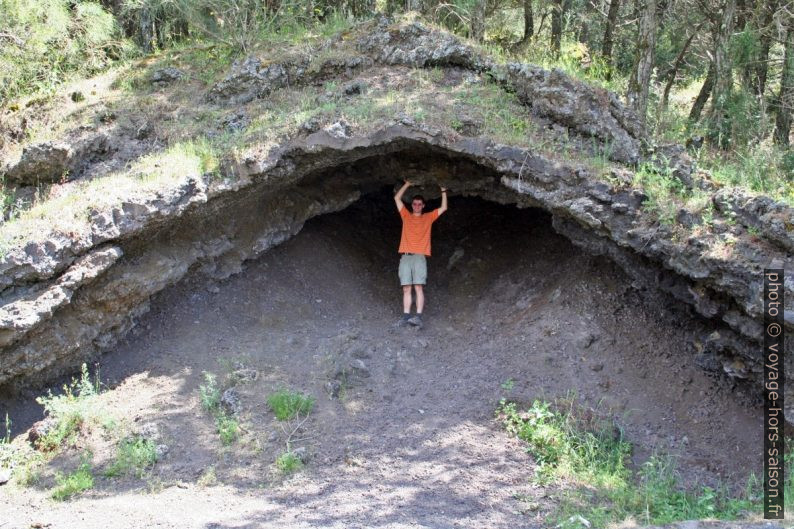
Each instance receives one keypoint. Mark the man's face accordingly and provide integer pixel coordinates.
(417, 205)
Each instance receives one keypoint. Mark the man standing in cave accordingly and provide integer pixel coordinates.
(415, 248)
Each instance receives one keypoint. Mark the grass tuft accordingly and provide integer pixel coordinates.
(588, 456)
(72, 484)
(288, 404)
(133, 457)
(288, 463)
(227, 426)
(71, 410)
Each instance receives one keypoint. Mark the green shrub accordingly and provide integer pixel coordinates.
(70, 410)
(573, 445)
(210, 393)
(80, 480)
(288, 404)
(133, 457)
(49, 41)
(228, 428)
(288, 463)
(664, 191)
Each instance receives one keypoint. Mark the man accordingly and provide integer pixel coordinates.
(415, 247)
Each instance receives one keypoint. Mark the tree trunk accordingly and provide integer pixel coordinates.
(529, 22)
(758, 80)
(719, 118)
(703, 95)
(609, 35)
(556, 26)
(146, 33)
(785, 99)
(639, 83)
(671, 75)
(478, 21)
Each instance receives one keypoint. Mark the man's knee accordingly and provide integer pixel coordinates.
(407, 289)
(418, 288)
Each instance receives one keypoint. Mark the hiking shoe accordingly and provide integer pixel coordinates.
(415, 320)
(403, 321)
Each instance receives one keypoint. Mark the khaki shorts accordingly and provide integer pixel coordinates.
(413, 269)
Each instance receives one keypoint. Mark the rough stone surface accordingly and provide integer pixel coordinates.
(587, 111)
(773, 220)
(41, 163)
(165, 76)
(53, 161)
(582, 108)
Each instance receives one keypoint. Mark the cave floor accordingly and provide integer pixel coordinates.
(513, 310)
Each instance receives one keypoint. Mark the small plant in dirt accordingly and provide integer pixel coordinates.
(289, 462)
(289, 404)
(78, 481)
(292, 409)
(208, 478)
(588, 456)
(508, 384)
(77, 405)
(228, 428)
(23, 461)
(210, 393)
(133, 457)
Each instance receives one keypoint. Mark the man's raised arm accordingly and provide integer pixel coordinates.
(398, 198)
(443, 207)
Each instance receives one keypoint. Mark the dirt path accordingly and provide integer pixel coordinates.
(411, 441)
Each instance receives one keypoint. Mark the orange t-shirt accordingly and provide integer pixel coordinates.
(415, 237)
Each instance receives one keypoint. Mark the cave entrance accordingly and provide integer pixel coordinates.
(513, 309)
(477, 246)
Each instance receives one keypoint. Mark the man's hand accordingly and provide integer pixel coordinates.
(443, 207)
(398, 198)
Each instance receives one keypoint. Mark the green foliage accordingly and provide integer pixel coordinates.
(70, 410)
(49, 41)
(239, 25)
(228, 427)
(288, 463)
(210, 393)
(568, 445)
(572, 445)
(288, 404)
(78, 481)
(662, 189)
(20, 457)
(579, 61)
(763, 168)
(133, 457)
(208, 478)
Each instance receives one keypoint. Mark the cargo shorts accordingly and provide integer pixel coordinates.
(413, 269)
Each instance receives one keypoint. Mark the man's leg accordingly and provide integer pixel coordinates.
(407, 299)
(420, 298)
(419, 280)
(404, 271)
